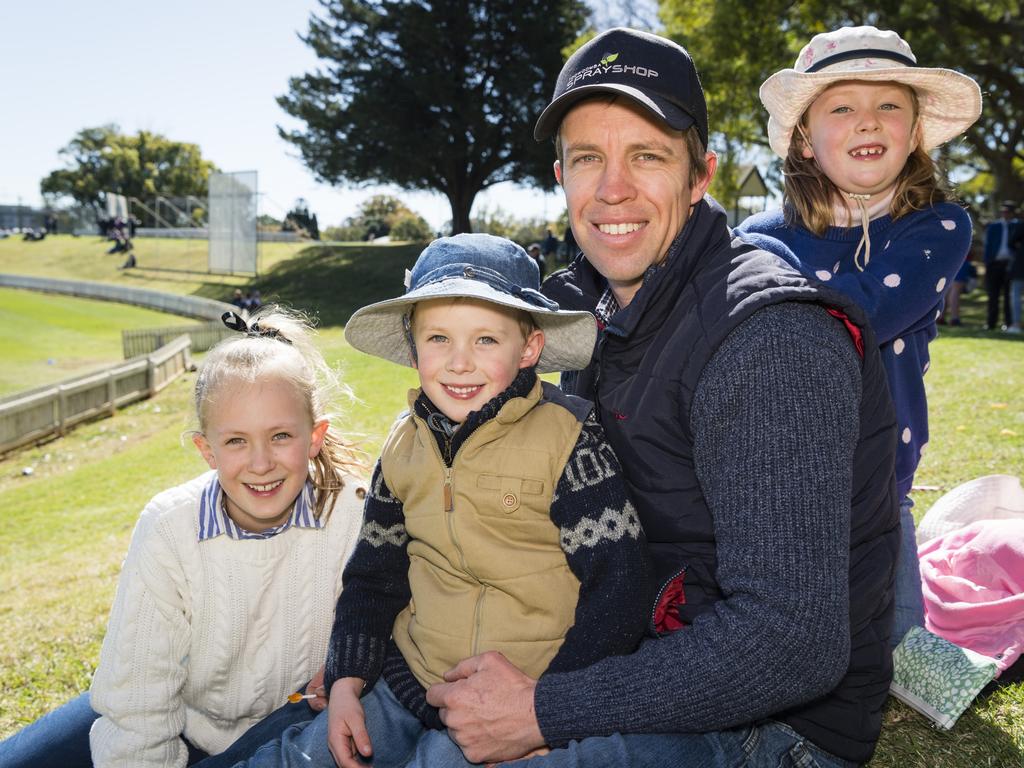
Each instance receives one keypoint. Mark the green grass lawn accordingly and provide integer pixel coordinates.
(165, 264)
(48, 337)
(66, 526)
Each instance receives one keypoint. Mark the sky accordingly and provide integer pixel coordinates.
(200, 71)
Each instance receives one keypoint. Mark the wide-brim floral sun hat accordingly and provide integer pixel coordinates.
(949, 101)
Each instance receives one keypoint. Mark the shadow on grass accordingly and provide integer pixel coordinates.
(332, 282)
(328, 282)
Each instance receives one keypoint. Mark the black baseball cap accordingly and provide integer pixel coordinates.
(653, 71)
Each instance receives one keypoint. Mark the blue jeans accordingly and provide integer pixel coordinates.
(766, 745)
(60, 739)
(399, 739)
(269, 728)
(909, 597)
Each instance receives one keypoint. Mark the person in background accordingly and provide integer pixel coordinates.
(549, 246)
(963, 283)
(999, 238)
(537, 256)
(1015, 273)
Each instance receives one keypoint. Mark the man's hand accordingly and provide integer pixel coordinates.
(346, 723)
(487, 705)
(316, 687)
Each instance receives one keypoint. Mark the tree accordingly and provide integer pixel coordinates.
(102, 160)
(382, 215)
(409, 226)
(735, 50)
(431, 95)
(299, 219)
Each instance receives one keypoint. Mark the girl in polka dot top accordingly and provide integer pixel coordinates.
(867, 212)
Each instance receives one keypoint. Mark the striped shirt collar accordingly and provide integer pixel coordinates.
(214, 519)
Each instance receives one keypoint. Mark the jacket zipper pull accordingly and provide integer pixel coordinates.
(449, 502)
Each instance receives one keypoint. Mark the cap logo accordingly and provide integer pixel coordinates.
(606, 66)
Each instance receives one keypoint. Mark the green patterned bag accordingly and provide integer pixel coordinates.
(936, 677)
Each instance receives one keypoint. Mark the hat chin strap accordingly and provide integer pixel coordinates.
(865, 216)
(865, 238)
(867, 213)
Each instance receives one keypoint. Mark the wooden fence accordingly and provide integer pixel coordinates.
(27, 417)
(145, 340)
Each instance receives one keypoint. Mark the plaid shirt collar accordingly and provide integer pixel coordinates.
(214, 519)
(608, 305)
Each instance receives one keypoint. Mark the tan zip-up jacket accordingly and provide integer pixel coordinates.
(486, 567)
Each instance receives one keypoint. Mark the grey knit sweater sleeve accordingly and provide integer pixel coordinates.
(775, 419)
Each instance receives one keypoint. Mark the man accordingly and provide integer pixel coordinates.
(537, 256)
(999, 247)
(750, 413)
(549, 245)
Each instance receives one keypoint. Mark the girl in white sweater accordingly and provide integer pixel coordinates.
(226, 597)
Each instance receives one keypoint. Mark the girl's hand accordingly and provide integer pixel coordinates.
(346, 723)
(316, 687)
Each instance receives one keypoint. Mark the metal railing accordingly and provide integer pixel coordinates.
(188, 306)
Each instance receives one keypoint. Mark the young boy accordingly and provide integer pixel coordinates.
(497, 517)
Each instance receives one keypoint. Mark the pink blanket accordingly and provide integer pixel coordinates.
(973, 580)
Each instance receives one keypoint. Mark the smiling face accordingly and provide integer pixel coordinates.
(626, 181)
(468, 352)
(861, 134)
(260, 438)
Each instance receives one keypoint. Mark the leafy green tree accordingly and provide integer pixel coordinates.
(382, 215)
(99, 161)
(431, 95)
(299, 219)
(409, 226)
(736, 48)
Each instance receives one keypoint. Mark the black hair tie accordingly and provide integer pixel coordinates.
(237, 323)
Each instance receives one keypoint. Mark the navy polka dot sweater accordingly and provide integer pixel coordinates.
(913, 260)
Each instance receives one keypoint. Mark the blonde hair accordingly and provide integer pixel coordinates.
(809, 195)
(284, 350)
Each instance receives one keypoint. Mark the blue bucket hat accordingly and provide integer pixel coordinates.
(482, 267)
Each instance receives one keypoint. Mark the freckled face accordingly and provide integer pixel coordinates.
(861, 135)
(260, 439)
(468, 352)
(626, 181)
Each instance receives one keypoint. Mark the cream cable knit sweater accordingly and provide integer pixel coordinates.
(206, 639)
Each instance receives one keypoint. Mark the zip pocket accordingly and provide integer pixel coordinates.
(665, 614)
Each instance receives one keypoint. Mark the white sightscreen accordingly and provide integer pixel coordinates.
(233, 222)
(117, 206)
